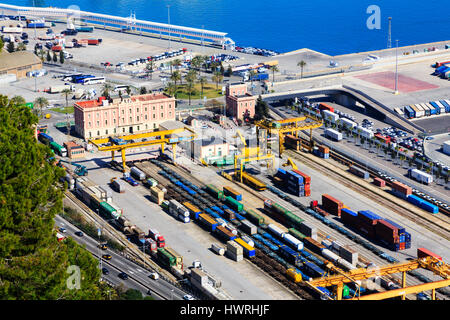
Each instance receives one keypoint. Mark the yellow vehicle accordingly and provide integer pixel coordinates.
(106, 256)
(48, 116)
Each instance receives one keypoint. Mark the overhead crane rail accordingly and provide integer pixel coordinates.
(432, 264)
(289, 126)
(166, 137)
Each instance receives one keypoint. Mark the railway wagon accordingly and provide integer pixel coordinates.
(228, 191)
(253, 182)
(249, 251)
(194, 211)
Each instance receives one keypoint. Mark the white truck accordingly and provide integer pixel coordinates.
(420, 176)
(58, 89)
(333, 134)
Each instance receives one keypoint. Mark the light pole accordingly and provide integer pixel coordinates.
(168, 21)
(396, 67)
(99, 233)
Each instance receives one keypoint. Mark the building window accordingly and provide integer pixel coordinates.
(170, 106)
(162, 115)
(90, 124)
(90, 134)
(146, 126)
(89, 116)
(162, 107)
(130, 110)
(98, 115)
(114, 121)
(123, 120)
(123, 111)
(106, 114)
(98, 123)
(137, 110)
(154, 116)
(145, 109)
(98, 133)
(154, 108)
(137, 118)
(106, 122)
(131, 119)
(123, 129)
(145, 117)
(114, 130)
(170, 113)
(106, 132)
(137, 128)
(154, 126)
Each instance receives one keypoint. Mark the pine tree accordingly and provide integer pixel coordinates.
(33, 263)
(10, 47)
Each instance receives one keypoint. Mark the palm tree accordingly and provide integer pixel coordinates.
(149, 69)
(217, 77)
(41, 103)
(66, 93)
(274, 69)
(202, 81)
(252, 74)
(21, 47)
(190, 87)
(106, 89)
(174, 63)
(171, 89)
(175, 77)
(301, 64)
(196, 63)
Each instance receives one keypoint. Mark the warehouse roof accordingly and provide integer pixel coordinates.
(212, 141)
(17, 59)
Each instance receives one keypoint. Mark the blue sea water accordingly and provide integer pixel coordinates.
(332, 27)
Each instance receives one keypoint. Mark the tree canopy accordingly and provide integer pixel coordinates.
(33, 264)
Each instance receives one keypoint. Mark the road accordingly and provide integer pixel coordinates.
(137, 277)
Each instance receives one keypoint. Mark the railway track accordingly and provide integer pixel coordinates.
(262, 261)
(432, 223)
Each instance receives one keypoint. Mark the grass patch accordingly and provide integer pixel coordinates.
(63, 110)
(209, 90)
(75, 218)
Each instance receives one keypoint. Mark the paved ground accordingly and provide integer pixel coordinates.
(433, 148)
(435, 124)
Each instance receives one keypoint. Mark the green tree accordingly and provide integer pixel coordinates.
(261, 109)
(18, 100)
(2, 44)
(40, 104)
(143, 90)
(10, 47)
(171, 89)
(229, 71)
(175, 77)
(49, 58)
(61, 57)
(55, 57)
(21, 47)
(217, 78)
(190, 87)
(33, 263)
(274, 69)
(202, 81)
(106, 89)
(301, 64)
(128, 90)
(132, 294)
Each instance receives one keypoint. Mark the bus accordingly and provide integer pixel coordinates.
(57, 148)
(94, 80)
(79, 79)
(122, 88)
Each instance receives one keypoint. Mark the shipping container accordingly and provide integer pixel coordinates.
(420, 176)
(359, 172)
(293, 242)
(313, 245)
(332, 205)
(234, 248)
(234, 204)
(330, 116)
(423, 253)
(214, 191)
(379, 182)
(253, 182)
(194, 211)
(248, 250)
(166, 258)
(289, 254)
(325, 106)
(429, 207)
(208, 221)
(313, 270)
(254, 217)
(138, 174)
(296, 233)
(224, 234)
(276, 230)
(156, 195)
(333, 134)
(228, 191)
(248, 227)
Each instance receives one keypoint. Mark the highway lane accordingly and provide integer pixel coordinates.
(138, 277)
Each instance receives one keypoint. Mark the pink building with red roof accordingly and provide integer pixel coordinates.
(122, 115)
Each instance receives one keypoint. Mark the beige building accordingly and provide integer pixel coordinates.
(19, 63)
(240, 103)
(122, 115)
(214, 147)
(74, 150)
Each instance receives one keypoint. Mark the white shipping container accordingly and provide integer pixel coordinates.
(441, 107)
(277, 231)
(421, 176)
(221, 222)
(348, 123)
(421, 110)
(330, 116)
(231, 229)
(330, 255)
(308, 230)
(345, 264)
(326, 243)
(137, 173)
(363, 132)
(297, 244)
(333, 134)
(446, 147)
(336, 245)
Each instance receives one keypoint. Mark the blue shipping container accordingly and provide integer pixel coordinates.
(446, 105)
(399, 227)
(414, 200)
(429, 207)
(437, 110)
(369, 214)
(350, 212)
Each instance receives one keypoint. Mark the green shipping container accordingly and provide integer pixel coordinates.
(234, 204)
(166, 258)
(294, 232)
(215, 192)
(106, 209)
(254, 217)
(345, 291)
(295, 220)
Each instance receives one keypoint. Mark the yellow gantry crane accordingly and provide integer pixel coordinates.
(289, 126)
(167, 137)
(438, 267)
(249, 154)
(290, 163)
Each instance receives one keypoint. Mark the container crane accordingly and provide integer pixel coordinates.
(291, 125)
(79, 169)
(430, 263)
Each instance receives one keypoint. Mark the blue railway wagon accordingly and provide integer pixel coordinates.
(313, 270)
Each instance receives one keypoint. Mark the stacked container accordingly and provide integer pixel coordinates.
(366, 223)
(248, 227)
(292, 142)
(247, 249)
(348, 254)
(332, 205)
(306, 182)
(322, 152)
(228, 191)
(359, 172)
(401, 190)
(234, 251)
(379, 182)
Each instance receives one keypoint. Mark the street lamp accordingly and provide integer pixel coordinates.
(396, 68)
(168, 21)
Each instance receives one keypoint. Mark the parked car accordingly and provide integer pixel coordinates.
(79, 233)
(188, 297)
(107, 256)
(105, 270)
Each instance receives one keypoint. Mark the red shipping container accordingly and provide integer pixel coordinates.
(422, 253)
(307, 193)
(404, 189)
(324, 106)
(306, 178)
(56, 48)
(379, 182)
(332, 205)
(324, 149)
(385, 228)
(314, 203)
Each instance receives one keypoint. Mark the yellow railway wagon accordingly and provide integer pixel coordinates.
(249, 251)
(253, 182)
